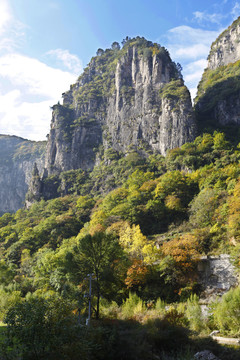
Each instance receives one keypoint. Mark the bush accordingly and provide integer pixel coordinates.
(37, 328)
(133, 306)
(160, 305)
(194, 313)
(227, 313)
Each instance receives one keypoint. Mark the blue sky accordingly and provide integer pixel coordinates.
(44, 45)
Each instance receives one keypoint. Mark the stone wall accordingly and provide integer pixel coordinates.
(217, 275)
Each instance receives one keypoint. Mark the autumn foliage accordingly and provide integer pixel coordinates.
(184, 251)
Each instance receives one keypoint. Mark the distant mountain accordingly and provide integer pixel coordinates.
(17, 158)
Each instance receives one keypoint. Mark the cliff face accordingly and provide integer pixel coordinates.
(219, 89)
(128, 98)
(16, 165)
(226, 48)
(217, 275)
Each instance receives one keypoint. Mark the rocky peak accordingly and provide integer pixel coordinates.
(218, 94)
(117, 103)
(226, 48)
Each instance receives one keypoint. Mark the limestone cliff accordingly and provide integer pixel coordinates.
(16, 165)
(218, 97)
(126, 98)
(226, 48)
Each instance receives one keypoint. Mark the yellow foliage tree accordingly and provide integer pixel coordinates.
(184, 251)
(137, 245)
(180, 258)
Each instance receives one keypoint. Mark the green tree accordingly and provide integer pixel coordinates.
(38, 327)
(115, 46)
(99, 254)
(202, 208)
(226, 313)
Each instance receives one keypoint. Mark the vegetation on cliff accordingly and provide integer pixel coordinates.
(17, 149)
(217, 85)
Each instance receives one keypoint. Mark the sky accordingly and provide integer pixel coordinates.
(45, 44)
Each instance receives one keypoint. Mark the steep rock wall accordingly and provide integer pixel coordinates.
(16, 165)
(117, 103)
(217, 275)
(226, 48)
(219, 89)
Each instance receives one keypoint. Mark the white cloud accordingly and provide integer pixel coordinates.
(189, 35)
(23, 118)
(28, 87)
(12, 31)
(192, 74)
(201, 17)
(70, 61)
(25, 111)
(35, 76)
(191, 52)
(190, 46)
(5, 15)
(193, 71)
(236, 10)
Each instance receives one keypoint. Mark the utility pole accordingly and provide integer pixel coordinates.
(89, 300)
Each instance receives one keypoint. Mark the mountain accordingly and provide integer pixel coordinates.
(130, 101)
(16, 165)
(153, 230)
(129, 98)
(218, 96)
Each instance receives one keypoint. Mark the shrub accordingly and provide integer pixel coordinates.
(38, 327)
(194, 314)
(227, 312)
(160, 305)
(133, 306)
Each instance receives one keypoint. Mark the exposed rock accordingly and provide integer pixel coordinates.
(117, 104)
(16, 165)
(218, 96)
(228, 110)
(205, 355)
(216, 275)
(226, 48)
(35, 187)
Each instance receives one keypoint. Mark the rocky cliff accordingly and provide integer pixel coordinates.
(219, 89)
(226, 48)
(126, 98)
(217, 275)
(16, 165)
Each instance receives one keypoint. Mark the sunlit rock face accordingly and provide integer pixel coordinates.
(218, 97)
(120, 102)
(226, 48)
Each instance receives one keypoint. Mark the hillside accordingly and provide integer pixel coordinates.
(130, 204)
(145, 237)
